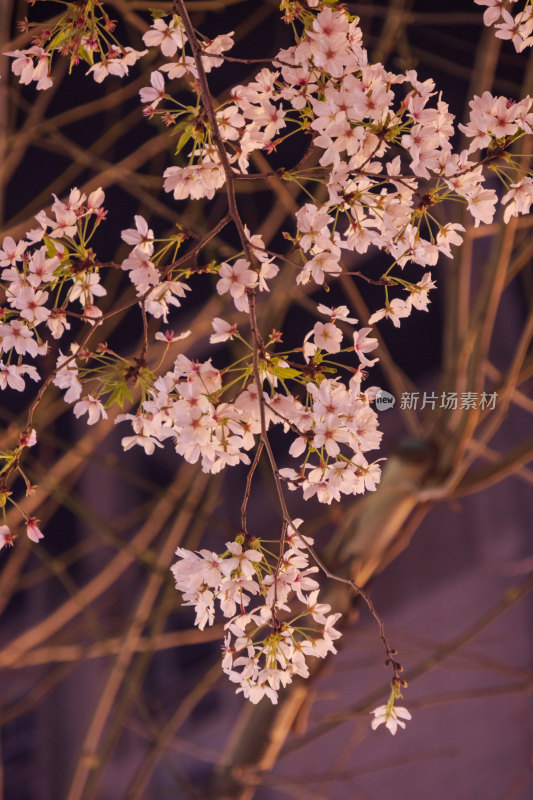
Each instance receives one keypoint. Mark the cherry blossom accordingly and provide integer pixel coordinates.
(17, 335)
(518, 199)
(395, 311)
(12, 251)
(236, 278)
(32, 529)
(155, 94)
(116, 63)
(92, 407)
(6, 537)
(170, 336)
(167, 36)
(32, 65)
(141, 236)
(327, 337)
(66, 377)
(364, 345)
(391, 716)
(195, 181)
(223, 331)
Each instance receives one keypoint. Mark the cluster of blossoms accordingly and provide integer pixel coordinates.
(380, 146)
(159, 289)
(83, 31)
(53, 261)
(517, 26)
(46, 278)
(267, 641)
(11, 459)
(52, 277)
(385, 144)
(213, 415)
(329, 433)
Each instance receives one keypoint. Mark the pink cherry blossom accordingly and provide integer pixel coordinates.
(167, 36)
(155, 93)
(92, 407)
(391, 716)
(236, 278)
(327, 337)
(364, 345)
(6, 537)
(32, 529)
(223, 331)
(141, 236)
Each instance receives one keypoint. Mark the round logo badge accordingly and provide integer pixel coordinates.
(384, 400)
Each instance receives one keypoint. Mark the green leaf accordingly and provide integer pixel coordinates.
(87, 55)
(184, 138)
(285, 373)
(51, 249)
(58, 40)
(119, 395)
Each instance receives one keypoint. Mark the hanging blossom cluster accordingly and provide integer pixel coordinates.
(268, 641)
(82, 32)
(380, 146)
(511, 19)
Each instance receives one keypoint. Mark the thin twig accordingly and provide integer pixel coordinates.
(249, 487)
